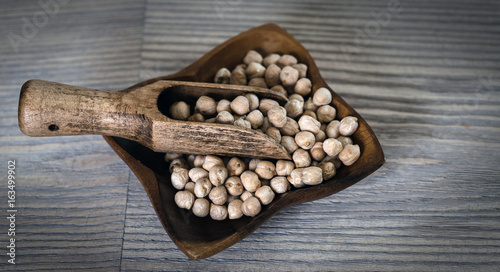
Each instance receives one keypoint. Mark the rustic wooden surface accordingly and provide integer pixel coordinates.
(427, 82)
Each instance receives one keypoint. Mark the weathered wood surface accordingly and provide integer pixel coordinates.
(427, 82)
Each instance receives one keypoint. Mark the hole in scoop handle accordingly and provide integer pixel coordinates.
(55, 109)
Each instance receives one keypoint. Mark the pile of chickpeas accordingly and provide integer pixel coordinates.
(305, 126)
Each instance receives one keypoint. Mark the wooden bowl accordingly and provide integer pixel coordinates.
(198, 237)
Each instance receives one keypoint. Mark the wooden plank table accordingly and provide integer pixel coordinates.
(424, 74)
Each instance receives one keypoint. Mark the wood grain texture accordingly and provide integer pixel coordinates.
(428, 84)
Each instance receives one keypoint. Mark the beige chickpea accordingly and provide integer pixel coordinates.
(201, 207)
(218, 212)
(301, 158)
(332, 130)
(253, 101)
(240, 105)
(206, 106)
(320, 136)
(332, 147)
(258, 82)
(314, 163)
(265, 169)
(312, 175)
(234, 209)
(231, 198)
(277, 116)
(350, 154)
(327, 170)
(246, 195)
(296, 97)
(302, 68)
(210, 120)
(172, 156)
(238, 75)
(210, 161)
(180, 110)
(184, 199)
(317, 152)
(218, 195)
(251, 206)
(222, 76)
(272, 75)
(223, 105)
(235, 166)
(265, 194)
(290, 128)
(179, 178)
(241, 122)
(348, 125)
(199, 160)
(309, 105)
(178, 163)
(280, 89)
(288, 76)
(218, 174)
(295, 178)
(252, 165)
(333, 159)
(326, 113)
(294, 108)
(271, 59)
(322, 96)
(303, 86)
(280, 185)
(274, 134)
(250, 181)
(311, 113)
(266, 125)
(190, 187)
(286, 60)
(224, 117)
(288, 142)
(252, 56)
(234, 186)
(190, 160)
(305, 140)
(196, 117)
(345, 140)
(202, 187)
(255, 70)
(266, 104)
(256, 118)
(308, 123)
(284, 168)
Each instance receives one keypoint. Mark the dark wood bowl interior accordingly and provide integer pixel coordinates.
(198, 237)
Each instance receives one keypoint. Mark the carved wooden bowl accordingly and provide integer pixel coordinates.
(198, 237)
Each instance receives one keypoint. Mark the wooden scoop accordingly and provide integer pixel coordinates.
(139, 114)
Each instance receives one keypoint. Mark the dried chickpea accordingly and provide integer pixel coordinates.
(332, 130)
(238, 75)
(206, 106)
(272, 75)
(271, 59)
(294, 108)
(280, 185)
(234, 186)
(222, 76)
(179, 178)
(305, 140)
(210, 161)
(218, 195)
(348, 125)
(252, 165)
(210, 120)
(333, 159)
(180, 110)
(301, 158)
(255, 70)
(286, 60)
(218, 212)
(328, 170)
(296, 97)
(218, 174)
(274, 134)
(288, 142)
(295, 178)
(235, 166)
(284, 168)
(242, 123)
(326, 113)
(320, 136)
(345, 140)
(350, 154)
(253, 101)
(196, 117)
(312, 175)
(277, 116)
(265, 169)
(290, 128)
(303, 86)
(288, 76)
(201, 207)
(256, 118)
(234, 209)
(258, 82)
(223, 105)
(251, 206)
(307, 123)
(184, 199)
(202, 187)
(224, 117)
(178, 163)
(317, 152)
(311, 113)
(250, 181)
(302, 68)
(245, 195)
(332, 147)
(252, 56)
(240, 105)
(172, 156)
(309, 105)
(266, 104)
(199, 160)
(322, 96)
(265, 194)
(266, 125)
(280, 89)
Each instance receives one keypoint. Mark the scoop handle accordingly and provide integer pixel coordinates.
(54, 109)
